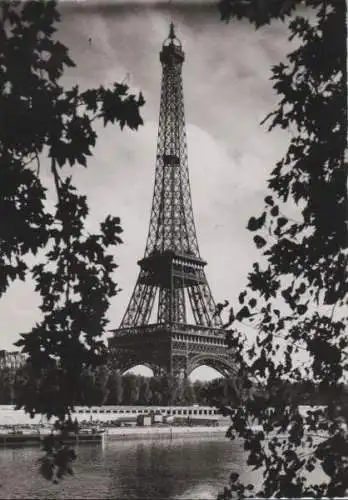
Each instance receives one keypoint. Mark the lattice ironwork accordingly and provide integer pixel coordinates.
(172, 270)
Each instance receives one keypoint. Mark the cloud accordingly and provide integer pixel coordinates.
(227, 93)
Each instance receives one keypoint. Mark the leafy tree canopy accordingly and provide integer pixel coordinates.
(294, 300)
(73, 271)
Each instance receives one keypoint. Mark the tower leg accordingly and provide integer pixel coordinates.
(179, 366)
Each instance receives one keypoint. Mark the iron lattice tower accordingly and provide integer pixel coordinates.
(172, 270)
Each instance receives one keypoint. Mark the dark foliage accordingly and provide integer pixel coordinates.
(39, 117)
(59, 457)
(102, 386)
(297, 293)
(41, 121)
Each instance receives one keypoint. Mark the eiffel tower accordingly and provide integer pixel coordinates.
(172, 285)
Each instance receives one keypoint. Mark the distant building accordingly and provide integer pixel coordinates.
(13, 359)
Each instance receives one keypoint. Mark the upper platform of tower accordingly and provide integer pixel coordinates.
(172, 53)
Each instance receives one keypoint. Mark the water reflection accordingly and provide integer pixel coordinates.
(178, 468)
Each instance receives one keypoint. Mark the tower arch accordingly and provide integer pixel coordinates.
(221, 364)
(140, 367)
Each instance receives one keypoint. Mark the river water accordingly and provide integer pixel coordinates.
(190, 468)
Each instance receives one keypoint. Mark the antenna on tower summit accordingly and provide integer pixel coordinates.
(171, 21)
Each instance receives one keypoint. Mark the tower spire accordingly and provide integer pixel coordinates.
(171, 30)
(172, 285)
(171, 25)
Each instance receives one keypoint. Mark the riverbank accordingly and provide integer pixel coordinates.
(123, 433)
(29, 439)
(13, 440)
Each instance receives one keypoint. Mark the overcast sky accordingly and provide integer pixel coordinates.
(227, 93)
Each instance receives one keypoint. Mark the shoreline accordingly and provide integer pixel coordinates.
(110, 434)
(119, 433)
(10, 440)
